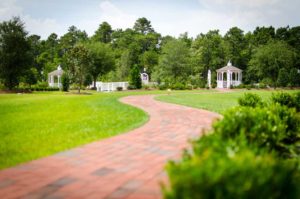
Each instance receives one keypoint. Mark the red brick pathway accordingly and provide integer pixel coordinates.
(125, 166)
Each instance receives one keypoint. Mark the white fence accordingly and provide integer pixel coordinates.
(110, 86)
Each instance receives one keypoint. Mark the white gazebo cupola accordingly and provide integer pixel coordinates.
(229, 76)
(54, 77)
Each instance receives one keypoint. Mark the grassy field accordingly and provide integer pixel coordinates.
(41, 124)
(217, 102)
(37, 125)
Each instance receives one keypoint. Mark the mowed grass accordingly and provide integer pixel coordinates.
(37, 125)
(40, 124)
(216, 102)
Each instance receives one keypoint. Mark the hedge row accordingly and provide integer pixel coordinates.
(253, 152)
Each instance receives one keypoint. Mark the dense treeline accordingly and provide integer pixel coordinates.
(266, 55)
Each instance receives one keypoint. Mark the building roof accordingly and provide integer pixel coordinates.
(57, 72)
(230, 68)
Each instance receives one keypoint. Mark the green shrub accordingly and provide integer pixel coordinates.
(119, 88)
(262, 86)
(284, 99)
(248, 87)
(162, 87)
(274, 127)
(297, 101)
(131, 87)
(65, 81)
(178, 86)
(220, 169)
(250, 99)
(189, 87)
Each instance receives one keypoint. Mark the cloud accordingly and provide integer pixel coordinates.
(115, 16)
(42, 27)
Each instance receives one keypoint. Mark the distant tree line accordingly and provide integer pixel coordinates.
(266, 55)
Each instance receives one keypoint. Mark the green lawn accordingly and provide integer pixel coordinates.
(217, 102)
(37, 125)
(41, 124)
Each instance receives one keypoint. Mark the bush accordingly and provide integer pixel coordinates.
(131, 87)
(119, 88)
(262, 86)
(251, 153)
(297, 101)
(178, 86)
(248, 87)
(135, 77)
(162, 87)
(284, 99)
(219, 169)
(65, 81)
(250, 99)
(274, 127)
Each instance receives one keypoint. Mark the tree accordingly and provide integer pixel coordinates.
(294, 77)
(135, 77)
(103, 33)
(30, 76)
(283, 77)
(15, 54)
(102, 60)
(269, 59)
(149, 60)
(65, 81)
(71, 38)
(174, 64)
(236, 44)
(143, 25)
(208, 52)
(79, 60)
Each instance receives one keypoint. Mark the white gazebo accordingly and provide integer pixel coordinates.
(52, 76)
(229, 76)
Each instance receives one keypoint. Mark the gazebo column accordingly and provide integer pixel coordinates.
(228, 78)
(52, 80)
(58, 81)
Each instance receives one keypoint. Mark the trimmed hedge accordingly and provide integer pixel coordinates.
(253, 152)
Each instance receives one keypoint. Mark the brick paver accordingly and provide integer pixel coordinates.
(129, 165)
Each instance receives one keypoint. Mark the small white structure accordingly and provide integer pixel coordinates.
(55, 75)
(145, 77)
(110, 86)
(209, 78)
(229, 76)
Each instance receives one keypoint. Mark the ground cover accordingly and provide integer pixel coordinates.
(217, 102)
(43, 123)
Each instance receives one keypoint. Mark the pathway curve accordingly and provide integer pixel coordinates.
(129, 165)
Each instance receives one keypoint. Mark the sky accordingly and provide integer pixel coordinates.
(168, 17)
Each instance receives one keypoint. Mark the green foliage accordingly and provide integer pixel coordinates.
(283, 77)
(103, 33)
(174, 64)
(223, 169)
(250, 100)
(135, 77)
(284, 99)
(143, 25)
(15, 52)
(79, 60)
(251, 153)
(119, 88)
(294, 77)
(65, 81)
(274, 127)
(101, 58)
(270, 58)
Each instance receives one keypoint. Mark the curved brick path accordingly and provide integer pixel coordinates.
(125, 166)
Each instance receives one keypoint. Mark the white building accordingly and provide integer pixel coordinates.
(229, 76)
(55, 75)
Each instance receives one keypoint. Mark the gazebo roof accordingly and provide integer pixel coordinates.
(230, 68)
(57, 72)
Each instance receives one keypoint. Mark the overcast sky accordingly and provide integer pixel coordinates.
(169, 17)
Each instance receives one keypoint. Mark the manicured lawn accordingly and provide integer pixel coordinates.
(37, 125)
(217, 102)
(41, 124)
